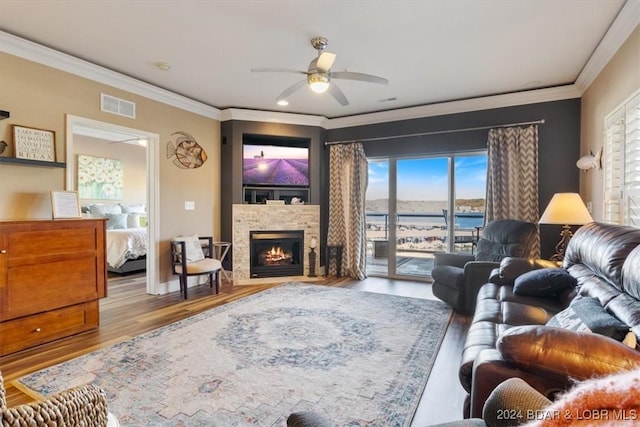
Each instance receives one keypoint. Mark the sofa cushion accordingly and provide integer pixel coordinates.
(603, 249)
(544, 282)
(556, 351)
(587, 315)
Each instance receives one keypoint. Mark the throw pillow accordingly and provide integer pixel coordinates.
(193, 247)
(133, 220)
(587, 315)
(116, 221)
(544, 282)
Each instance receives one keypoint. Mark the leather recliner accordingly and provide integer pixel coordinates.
(458, 277)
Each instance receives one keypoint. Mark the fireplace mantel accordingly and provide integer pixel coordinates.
(254, 217)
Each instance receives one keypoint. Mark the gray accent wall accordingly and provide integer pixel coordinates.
(559, 146)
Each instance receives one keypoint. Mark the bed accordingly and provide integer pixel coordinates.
(126, 235)
(126, 250)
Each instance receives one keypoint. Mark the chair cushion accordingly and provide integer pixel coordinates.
(544, 282)
(453, 276)
(207, 265)
(193, 247)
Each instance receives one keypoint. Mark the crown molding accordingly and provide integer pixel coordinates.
(557, 93)
(273, 117)
(34, 52)
(625, 23)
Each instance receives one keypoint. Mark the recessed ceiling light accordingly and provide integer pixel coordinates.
(163, 66)
(283, 102)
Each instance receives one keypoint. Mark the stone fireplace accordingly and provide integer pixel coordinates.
(251, 220)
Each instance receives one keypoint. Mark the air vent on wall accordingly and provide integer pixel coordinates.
(121, 107)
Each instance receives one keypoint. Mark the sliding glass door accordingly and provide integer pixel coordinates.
(419, 206)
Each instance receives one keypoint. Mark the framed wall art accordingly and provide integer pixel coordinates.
(100, 178)
(34, 144)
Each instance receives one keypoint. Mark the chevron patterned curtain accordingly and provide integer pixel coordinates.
(348, 174)
(512, 176)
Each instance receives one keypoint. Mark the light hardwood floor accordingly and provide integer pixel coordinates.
(128, 311)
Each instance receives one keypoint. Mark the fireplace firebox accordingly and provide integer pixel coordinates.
(276, 253)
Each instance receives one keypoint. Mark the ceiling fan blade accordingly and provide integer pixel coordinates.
(335, 91)
(277, 70)
(288, 91)
(325, 61)
(350, 75)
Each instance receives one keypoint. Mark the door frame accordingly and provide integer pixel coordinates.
(73, 123)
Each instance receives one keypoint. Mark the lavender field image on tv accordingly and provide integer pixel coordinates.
(275, 165)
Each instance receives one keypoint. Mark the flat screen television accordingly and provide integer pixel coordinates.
(275, 165)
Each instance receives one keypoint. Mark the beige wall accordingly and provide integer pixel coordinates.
(617, 81)
(39, 96)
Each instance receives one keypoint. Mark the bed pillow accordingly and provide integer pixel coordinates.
(101, 210)
(116, 221)
(585, 314)
(193, 247)
(543, 282)
(139, 208)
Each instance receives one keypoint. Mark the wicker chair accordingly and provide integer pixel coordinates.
(79, 406)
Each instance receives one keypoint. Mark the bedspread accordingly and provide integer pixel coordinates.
(124, 244)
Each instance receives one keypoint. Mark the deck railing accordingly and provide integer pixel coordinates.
(424, 232)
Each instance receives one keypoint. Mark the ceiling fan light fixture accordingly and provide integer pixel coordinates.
(318, 82)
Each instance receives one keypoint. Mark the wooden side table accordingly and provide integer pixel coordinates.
(221, 249)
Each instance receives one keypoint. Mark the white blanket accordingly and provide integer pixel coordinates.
(124, 244)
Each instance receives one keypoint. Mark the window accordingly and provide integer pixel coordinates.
(622, 164)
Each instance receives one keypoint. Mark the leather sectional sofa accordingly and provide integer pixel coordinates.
(509, 336)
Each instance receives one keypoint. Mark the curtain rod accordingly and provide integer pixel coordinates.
(535, 122)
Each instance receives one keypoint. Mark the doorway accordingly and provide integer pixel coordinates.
(421, 205)
(79, 125)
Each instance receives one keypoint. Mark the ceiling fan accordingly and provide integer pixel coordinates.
(319, 75)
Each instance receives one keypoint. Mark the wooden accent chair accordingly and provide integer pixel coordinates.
(193, 256)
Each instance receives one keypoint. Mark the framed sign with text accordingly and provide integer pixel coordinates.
(65, 204)
(34, 144)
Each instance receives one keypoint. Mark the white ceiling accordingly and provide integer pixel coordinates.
(430, 51)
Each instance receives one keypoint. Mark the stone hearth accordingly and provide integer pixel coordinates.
(254, 217)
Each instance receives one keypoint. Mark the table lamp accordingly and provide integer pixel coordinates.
(565, 209)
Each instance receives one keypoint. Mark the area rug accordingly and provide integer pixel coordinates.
(359, 358)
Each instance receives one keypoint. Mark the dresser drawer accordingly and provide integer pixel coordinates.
(29, 331)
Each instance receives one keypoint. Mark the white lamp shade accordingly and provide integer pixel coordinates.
(566, 209)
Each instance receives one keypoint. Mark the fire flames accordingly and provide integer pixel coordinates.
(276, 255)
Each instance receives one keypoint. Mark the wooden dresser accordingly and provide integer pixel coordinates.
(52, 274)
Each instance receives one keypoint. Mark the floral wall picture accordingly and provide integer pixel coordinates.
(99, 178)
